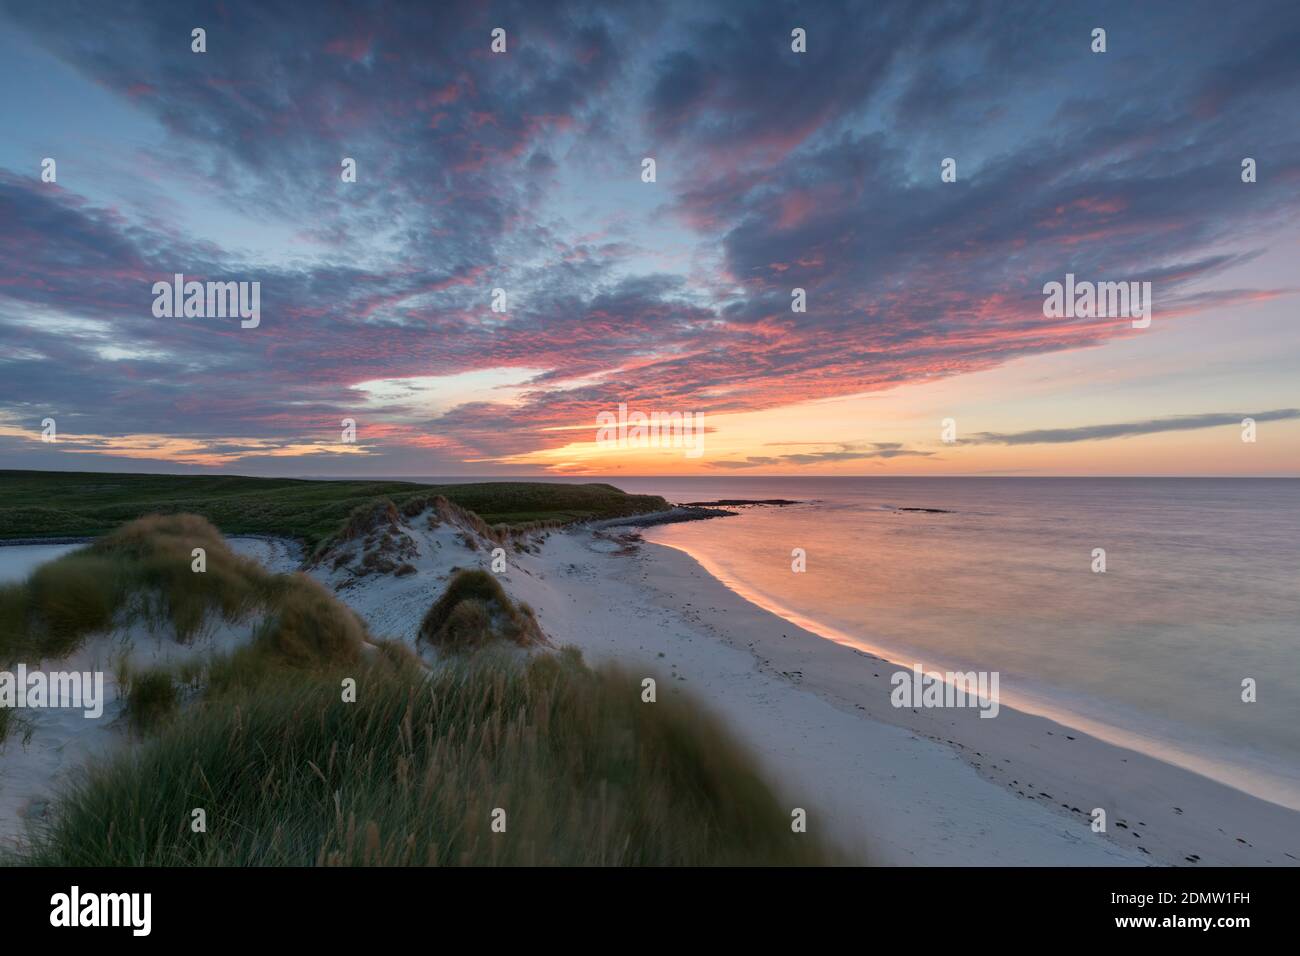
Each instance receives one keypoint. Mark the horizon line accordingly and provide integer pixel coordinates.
(453, 479)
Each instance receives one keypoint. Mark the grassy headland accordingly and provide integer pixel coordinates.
(55, 504)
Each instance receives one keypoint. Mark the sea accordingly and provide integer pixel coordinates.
(1199, 597)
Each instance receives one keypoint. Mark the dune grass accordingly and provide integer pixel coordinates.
(291, 768)
(49, 504)
(10, 721)
(475, 610)
(412, 772)
(307, 625)
(153, 697)
(141, 572)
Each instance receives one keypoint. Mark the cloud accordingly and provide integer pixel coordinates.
(841, 452)
(521, 172)
(178, 449)
(1175, 423)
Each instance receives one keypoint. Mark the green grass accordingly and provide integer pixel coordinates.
(10, 722)
(153, 697)
(411, 770)
(143, 573)
(35, 504)
(308, 625)
(411, 773)
(475, 610)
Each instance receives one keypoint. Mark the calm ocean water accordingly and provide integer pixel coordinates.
(1200, 592)
(18, 562)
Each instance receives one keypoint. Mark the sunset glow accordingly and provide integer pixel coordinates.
(499, 274)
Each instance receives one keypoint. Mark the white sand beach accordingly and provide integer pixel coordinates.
(889, 786)
(933, 787)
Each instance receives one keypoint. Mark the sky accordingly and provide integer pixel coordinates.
(924, 347)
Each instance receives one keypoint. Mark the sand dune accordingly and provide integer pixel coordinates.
(892, 786)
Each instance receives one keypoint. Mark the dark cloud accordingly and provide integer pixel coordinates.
(1176, 423)
(842, 452)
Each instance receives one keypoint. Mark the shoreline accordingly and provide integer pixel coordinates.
(30, 542)
(1165, 812)
(883, 792)
(1262, 786)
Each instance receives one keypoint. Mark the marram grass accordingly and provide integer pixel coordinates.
(411, 773)
(153, 696)
(475, 610)
(143, 572)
